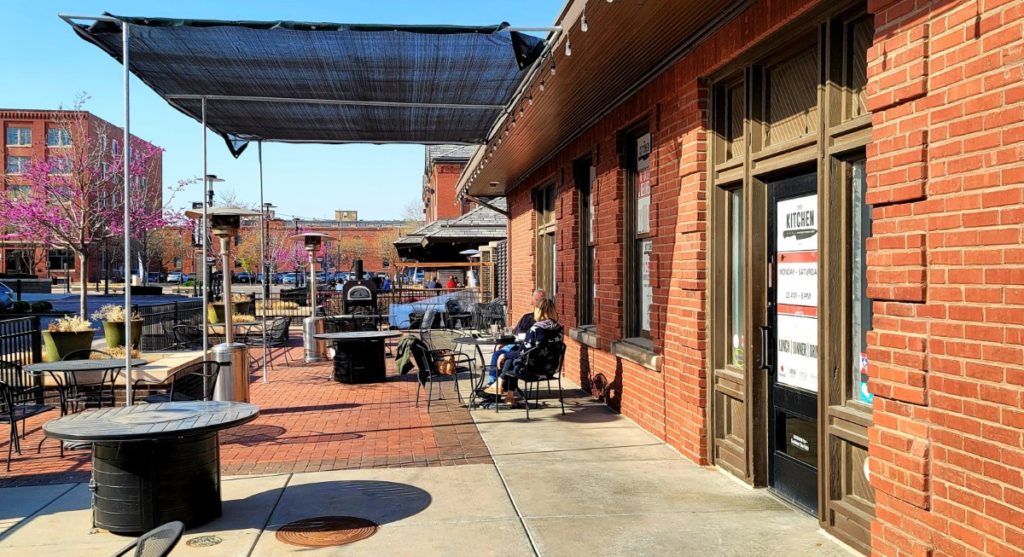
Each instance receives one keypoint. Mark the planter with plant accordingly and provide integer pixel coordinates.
(113, 318)
(240, 304)
(66, 335)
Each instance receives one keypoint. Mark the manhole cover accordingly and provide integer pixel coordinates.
(325, 531)
(203, 541)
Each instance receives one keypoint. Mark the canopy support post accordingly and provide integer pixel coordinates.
(206, 267)
(263, 259)
(127, 155)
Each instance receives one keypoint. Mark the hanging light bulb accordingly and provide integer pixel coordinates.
(513, 121)
(552, 67)
(529, 100)
(583, 22)
(568, 52)
(542, 85)
(521, 110)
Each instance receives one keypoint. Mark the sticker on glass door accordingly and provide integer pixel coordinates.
(797, 292)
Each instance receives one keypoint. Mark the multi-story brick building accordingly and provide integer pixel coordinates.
(786, 238)
(442, 166)
(33, 135)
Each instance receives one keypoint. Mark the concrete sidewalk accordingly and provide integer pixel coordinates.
(587, 483)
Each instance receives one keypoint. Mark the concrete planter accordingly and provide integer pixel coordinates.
(56, 345)
(113, 333)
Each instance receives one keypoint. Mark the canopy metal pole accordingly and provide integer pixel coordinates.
(206, 268)
(127, 154)
(263, 259)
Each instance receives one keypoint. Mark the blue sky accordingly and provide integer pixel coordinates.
(45, 66)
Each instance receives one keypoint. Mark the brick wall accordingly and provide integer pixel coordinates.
(670, 402)
(442, 203)
(946, 274)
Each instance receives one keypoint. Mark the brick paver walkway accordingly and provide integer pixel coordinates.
(307, 423)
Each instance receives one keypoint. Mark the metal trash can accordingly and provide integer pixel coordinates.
(233, 380)
(313, 348)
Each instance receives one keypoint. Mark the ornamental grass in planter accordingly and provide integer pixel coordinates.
(66, 335)
(113, 318)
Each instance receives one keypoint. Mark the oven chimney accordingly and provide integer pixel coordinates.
(357, 268)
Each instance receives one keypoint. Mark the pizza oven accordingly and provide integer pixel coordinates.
(359, 294)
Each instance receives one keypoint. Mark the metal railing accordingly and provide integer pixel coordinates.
(154, 333)
(20, 340)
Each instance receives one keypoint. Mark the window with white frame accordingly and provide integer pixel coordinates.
(19, 137)
(58, 137)
(17, 165)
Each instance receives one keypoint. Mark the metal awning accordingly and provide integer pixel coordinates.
(326, 82)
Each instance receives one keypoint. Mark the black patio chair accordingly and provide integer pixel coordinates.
(12, 412)
(195, 382)
(540, 363)
(76, 392)
(277, 338)
(187, 337)
(158, 542)
(429, 372)
(458, 318)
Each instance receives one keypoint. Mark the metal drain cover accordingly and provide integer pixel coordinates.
(326, 531)
(203, 541)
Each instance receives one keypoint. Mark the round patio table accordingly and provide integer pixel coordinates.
(153, 463)
(109, 367)
(359, 355)
(479, 341)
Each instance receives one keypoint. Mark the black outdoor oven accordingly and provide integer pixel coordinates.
(359, 295)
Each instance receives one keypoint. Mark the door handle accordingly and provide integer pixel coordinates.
(767, 359)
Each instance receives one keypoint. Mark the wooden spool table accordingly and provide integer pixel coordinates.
(153, 463)
(359, 355)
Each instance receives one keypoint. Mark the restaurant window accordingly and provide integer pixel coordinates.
(59, 259)
(639, 243)
(544, 209)
(19, 137)
(736, 275)
(584, 174)
(58, 137)
(17, 165)
(860, 304)
(18, 262)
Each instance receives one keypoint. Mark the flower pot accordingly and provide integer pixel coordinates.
(215, 312)
(113, 332)
(56, 345)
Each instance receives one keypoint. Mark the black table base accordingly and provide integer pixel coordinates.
(359, 361)
(140, 485)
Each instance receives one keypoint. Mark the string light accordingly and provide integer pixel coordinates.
(583, 22)
(552, 67)
(542, 85)
(568, 52)
(521, 111)
(529, 100)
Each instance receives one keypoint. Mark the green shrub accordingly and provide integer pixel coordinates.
(41, 306)
(21, 306)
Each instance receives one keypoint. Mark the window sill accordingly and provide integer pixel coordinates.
(638, 350)
(584, 335)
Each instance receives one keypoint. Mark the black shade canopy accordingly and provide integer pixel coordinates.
(326, 82)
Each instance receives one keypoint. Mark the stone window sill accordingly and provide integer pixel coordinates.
(638, 350)
(584, 335)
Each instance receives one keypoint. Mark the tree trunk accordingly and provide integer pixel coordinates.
(83, 300)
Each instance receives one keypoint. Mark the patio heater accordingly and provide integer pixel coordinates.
(312, 325)
(233, 381)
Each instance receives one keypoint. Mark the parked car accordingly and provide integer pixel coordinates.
(6, 296)
(289, 278)
(340, 276)
(154, 276)
(176, 276)
(244, 276)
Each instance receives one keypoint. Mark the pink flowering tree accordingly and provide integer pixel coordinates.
(75, 197)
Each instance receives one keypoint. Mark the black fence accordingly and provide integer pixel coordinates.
(20, 341)
(158, 320)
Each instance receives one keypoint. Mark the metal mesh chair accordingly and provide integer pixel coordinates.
(76, 392)
(277, 337)
(12, 412)
(540, 363)
(187, 336)
(158, 542)
(193, 383)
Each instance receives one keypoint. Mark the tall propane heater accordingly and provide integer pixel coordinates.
(312, 325)
(233, 381)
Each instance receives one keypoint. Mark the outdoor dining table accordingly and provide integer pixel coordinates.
(359, 355)
(64, 373)
(153, 463)
(478, 341)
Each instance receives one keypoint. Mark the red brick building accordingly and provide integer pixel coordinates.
(32, 135)
(786, 238)
(442, 166)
